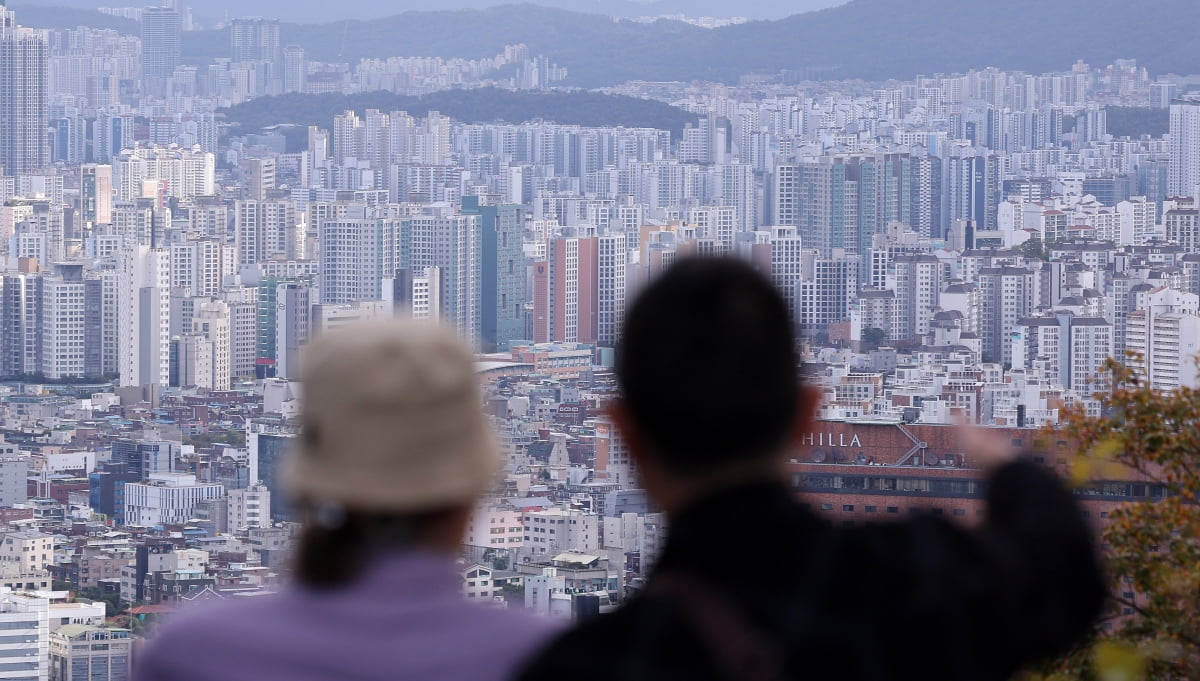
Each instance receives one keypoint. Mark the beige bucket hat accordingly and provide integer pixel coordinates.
(392, 420)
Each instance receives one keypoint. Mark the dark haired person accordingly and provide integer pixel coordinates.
(753, 587)
(394, 453)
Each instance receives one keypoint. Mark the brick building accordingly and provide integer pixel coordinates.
(862, 472)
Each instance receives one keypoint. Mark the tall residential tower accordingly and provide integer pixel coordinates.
(24, 109)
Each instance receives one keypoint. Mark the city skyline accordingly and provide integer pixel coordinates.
(967, 247)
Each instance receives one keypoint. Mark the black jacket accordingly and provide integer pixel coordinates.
(923, 599)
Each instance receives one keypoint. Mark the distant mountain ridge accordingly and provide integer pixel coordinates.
(869, 39)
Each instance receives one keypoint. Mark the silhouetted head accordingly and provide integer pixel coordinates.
(708, 371)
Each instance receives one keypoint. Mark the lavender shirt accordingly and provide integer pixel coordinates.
(404, 619)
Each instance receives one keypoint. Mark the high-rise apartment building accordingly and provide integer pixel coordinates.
(200, 266)
(358, 253)
(786, 266)
(267, 229)
(24, 103)
(96, 194)
(841, 202)
(144, 316)
(1165, 334)
(295, 69)
(111, 132)
(502, 272)
(255, 39)
(161, 47)
(211, 325)
(1007, 298)
(453, 243)
(171, 172)
(57, 324)
(824, 291)
(973, 186)
(62, 329)
(917, 283)
(1183, 169)
(1089, 344)
(718, 223)
(259, 178)
(565, 295)
(19, 321)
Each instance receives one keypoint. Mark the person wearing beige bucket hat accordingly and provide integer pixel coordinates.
(393, 454)
(392, 421)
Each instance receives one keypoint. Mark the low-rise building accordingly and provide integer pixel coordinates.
(82, 652)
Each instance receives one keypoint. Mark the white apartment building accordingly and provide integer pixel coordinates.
(786, 263)
(427, 295)
(553, 530)
(1090, 345)
(62, 324)
(711, 222)
(357, 254)
(144, 316)
(250, 507)
(243, 330)
(199, 267)
(267, 229)
(498, 526)
(1183, 169)
(24, 650)
(182, 173)
(917, 283)
(194, 358)
(30, 551)
(610, 287)
(1007, 297)
(1182, 225)
(211, 337)
(1166, 335)
(453, 243)
(478, 585)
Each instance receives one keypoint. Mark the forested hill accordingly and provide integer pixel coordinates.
(484, 105)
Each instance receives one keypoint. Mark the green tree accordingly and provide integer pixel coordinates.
(872, 338)
(1153, 545)
(111, 601)
(1033, 249)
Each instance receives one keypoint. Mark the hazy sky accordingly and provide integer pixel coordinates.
(323, 10)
